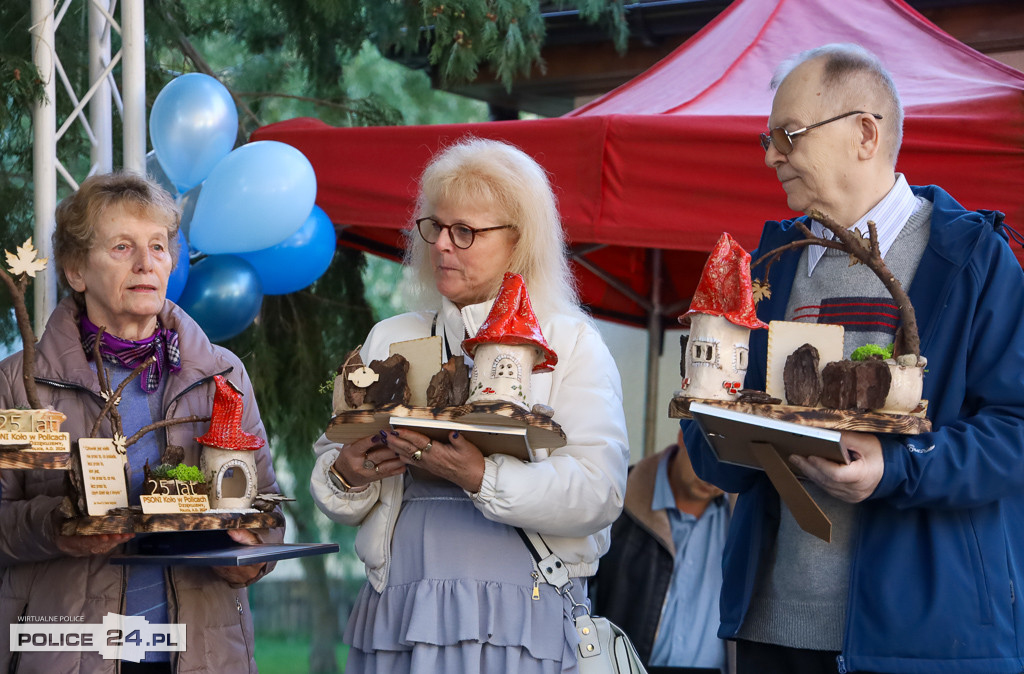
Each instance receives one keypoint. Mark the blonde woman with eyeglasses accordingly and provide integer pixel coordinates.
(450, 585)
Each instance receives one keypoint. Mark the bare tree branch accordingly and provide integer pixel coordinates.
(163, 424)
(111, 405)
(909, 341)
(28, 337)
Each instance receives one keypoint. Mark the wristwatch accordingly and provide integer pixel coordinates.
(336, 478)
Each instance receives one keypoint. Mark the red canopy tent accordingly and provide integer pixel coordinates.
(649, 175)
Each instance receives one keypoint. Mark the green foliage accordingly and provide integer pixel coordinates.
(868, 350)
(186, 473)
(181, 472)
(464, 35)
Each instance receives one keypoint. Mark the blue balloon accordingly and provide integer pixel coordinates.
(298, 260)
(187, 203)
(255, 198)
(179, 276)
(157, 175)
(223, 295)
(193, 125)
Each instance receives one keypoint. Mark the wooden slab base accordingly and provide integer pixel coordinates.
(22, 460)
(135, 521)
(541, 432)
(840, 420)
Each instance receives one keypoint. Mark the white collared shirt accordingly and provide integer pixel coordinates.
(889, 214)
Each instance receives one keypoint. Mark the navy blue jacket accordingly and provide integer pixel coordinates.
(939, 550)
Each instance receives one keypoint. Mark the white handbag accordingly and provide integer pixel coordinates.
(604, 648)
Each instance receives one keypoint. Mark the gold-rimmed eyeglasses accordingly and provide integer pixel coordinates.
(462, 235)
(783, 140)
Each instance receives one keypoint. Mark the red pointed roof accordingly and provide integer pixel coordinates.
(512, 321)
(725, 288)
(226, 420)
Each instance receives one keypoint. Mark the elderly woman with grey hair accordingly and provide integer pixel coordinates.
(450, 585)
(114, 247)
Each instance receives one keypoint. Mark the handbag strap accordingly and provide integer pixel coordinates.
(553, 570)
(551, 567)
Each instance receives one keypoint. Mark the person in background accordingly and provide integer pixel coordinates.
(451, 587)
(923, 573)
(660, 580)
(114, 248)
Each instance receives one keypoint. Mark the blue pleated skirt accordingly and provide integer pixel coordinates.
(458, 598)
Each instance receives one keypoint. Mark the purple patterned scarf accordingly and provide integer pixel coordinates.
(163, 344)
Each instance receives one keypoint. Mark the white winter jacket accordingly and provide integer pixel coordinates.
(570, 495)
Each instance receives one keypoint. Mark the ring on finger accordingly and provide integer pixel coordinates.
(376, 468)
(369, 465)
(426, 447)
(417, 455)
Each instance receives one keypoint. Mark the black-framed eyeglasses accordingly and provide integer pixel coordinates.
(783, 140)
(462, 235)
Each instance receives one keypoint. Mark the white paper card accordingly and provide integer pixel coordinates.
(102, 475)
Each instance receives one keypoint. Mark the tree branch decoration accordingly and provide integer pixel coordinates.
(862, 250)
(20, 267)
(113, 398)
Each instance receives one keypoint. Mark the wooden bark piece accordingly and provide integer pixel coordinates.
(173, 455)
(354, 395)
(838, 389)
(801, 378)
(749, 395)
(392, 386)
(848, 385)
(450, 386)
(872, 379)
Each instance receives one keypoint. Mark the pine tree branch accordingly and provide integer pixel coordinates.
(305, 99)
(193, 55)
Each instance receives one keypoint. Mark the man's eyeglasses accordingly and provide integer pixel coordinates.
(783, 140)
(461, 235)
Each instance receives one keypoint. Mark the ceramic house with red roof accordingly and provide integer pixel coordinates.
(508, 348)
(228, 458)
(721, 317)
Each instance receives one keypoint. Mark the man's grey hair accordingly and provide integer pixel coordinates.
(847, 64)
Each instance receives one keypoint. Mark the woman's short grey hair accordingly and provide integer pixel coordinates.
(847, 68)
(78, 214)
(501, 178)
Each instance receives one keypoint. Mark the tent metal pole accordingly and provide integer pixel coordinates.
(653, 354)
(44, 158)
(133, 84)
(612, 281)
(100, 107)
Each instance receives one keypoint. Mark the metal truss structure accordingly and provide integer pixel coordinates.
(101, 98)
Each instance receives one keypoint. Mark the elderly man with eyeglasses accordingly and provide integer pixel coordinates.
(924, 566)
